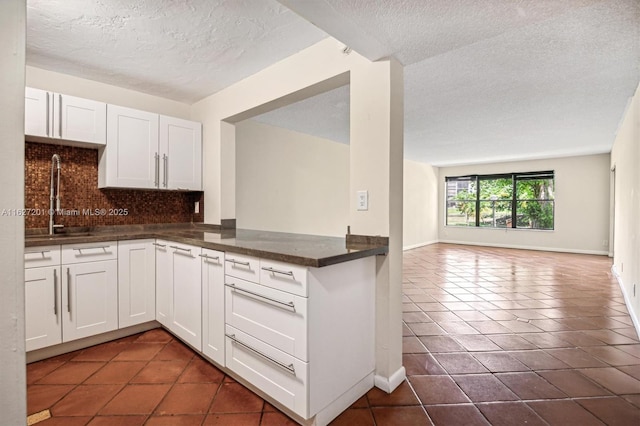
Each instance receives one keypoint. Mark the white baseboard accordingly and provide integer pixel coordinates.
(627, 300)
(519, 247)
(414, 246)
(388, 384)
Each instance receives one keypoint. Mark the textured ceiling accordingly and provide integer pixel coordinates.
(484, 81)
(182, 50)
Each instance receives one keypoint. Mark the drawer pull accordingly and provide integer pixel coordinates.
(160, 245)
(289, 305)
(237, 262)
(288, 368)
(42, 252)
(207, 257)
(103, 248)
(276, 271)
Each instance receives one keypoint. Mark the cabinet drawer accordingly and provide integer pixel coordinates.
(284, 276)
(90, 252)
(279, 375)
(41, 256)
(240, 266)
(273, 316)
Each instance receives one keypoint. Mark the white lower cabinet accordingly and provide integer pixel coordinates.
(268, 314)
(136, 282)
(42, 286)
(179, 291)
(186, 303)
(164, 282)
(304, 336)
(213, 305)
(89, 290)
(280, 375)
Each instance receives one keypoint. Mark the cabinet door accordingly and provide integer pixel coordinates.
(131, 158)
(37, 117)
(213, 305)
(136, 282)
(164, 282)
(181, 149)
(186, 299)
(90, 299)
(42, 307)
(79, 119)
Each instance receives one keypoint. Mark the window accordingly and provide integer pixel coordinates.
(512, 200)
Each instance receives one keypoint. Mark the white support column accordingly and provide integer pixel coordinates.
(376, 165)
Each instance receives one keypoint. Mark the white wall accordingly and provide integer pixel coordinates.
(69, 85)
(13, 399)
(581, 207)
(288, 181)
(420, 204)
(625, 157)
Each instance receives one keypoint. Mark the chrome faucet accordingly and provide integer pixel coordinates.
(54, 194)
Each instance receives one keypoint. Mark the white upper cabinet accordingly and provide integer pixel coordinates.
(56, 116)
(131, 158)
(149, 151)
(181, 150)
(36, 113)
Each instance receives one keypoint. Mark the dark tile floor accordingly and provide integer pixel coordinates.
(491, 336)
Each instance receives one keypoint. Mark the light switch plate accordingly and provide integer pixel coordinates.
(363, 200)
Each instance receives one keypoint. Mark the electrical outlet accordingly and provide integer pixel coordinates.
(605, 243)
(196, 208)
(634, 289)
(363, 200)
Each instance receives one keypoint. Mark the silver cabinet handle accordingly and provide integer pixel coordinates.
(182, 250)
(156, 182)
(165, 159)
(42, 252)
(237, 262)
(48, 115)
(207, 257)
(69, 291)
(288, 305)
(79, 250)
(60, 115)
(160, 245)
(288, 368)
(55, 293)
(276, 271)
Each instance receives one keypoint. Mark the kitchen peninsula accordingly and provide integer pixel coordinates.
(290, 316)
(307, 250)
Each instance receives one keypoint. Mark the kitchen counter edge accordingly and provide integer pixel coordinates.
(355, 252)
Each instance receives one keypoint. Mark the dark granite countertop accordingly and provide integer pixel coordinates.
(307, 250)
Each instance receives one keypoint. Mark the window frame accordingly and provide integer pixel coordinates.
(515, 177)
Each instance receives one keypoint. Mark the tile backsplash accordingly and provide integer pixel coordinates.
(80, 194)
